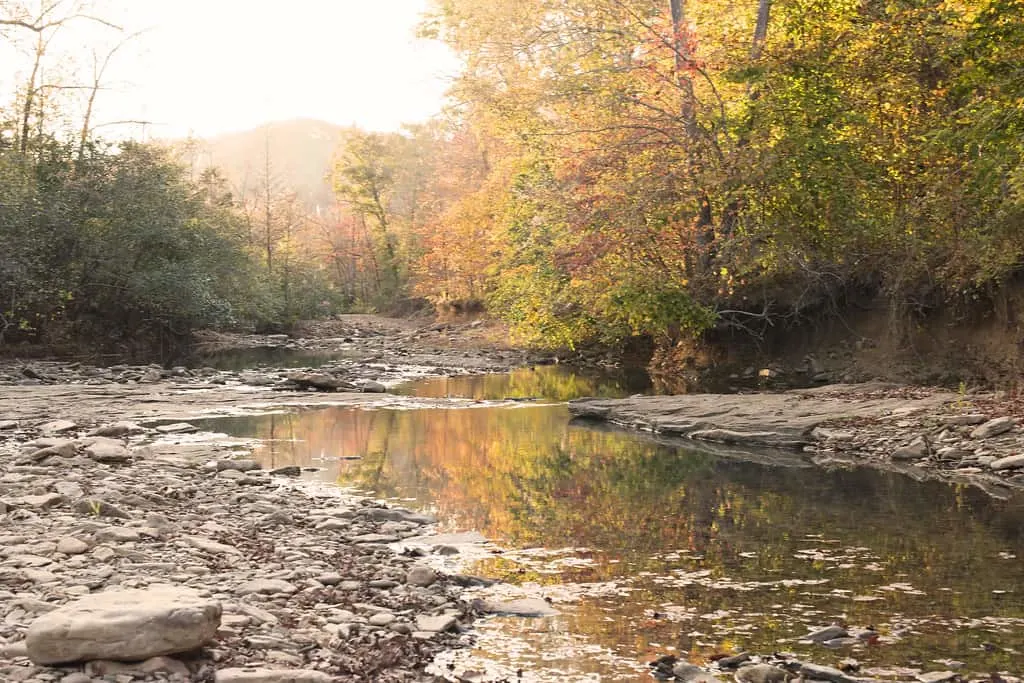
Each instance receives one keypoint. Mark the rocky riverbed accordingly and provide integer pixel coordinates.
(132, 551)
(975, 439)
(121, 544)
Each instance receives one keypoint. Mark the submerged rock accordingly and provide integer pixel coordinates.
(177, 428)
(762, 673)
(315, 380)
(524, 607)
(825, 673)
(826, 634)
(684, 671)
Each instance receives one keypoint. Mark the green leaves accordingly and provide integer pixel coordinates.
(118, 243)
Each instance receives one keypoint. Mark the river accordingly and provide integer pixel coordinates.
(649, 548)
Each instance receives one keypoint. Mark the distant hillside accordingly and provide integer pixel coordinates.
(300, 154)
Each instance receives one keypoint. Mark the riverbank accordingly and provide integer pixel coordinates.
(919, 431)
(106, 492)
(295, 580)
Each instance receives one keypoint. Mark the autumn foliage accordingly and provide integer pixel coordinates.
(604, 170)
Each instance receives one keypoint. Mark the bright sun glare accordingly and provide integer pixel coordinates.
(211, 66)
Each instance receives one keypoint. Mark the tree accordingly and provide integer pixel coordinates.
(99, 68)
(45, 20)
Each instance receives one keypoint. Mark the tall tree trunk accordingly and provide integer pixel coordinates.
(267, 211)
(681, 47)
(30, 95)
(764, 7)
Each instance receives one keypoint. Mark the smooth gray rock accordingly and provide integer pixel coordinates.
(828, 633)
(254, 675)
(211, 546)
(42, 501)
(374, 538)
(118, 534)
(177, 428)
(257, 379)
(684, 671)
(915, 450)
(330, 579)
(77, 677)
(957, 420)
(124, 625)
(825, 673)
(999, 425)
(436, 624)
(1007, 463)
(734, 661)
(57, 427)
(421, 576)
(381, 619)
(524, 607)
(72, 546)
(761, 673)
(315, 380)
(122, 428)
(266, 586)
(785, 419)
(103, 449)
(65, 449)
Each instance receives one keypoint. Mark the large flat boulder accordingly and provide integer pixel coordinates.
(126, 625)
(780, 420)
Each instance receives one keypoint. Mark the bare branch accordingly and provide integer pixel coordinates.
(43, 26)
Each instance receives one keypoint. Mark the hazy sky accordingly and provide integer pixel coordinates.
(210, 66)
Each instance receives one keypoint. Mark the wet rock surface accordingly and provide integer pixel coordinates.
(781, 668)
(913, 430)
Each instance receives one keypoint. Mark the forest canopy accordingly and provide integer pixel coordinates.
(604, 168)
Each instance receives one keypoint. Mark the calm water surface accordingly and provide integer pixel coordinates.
(656, 549)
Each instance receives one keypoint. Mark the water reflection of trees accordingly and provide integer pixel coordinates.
(522, 475)
(552, 382)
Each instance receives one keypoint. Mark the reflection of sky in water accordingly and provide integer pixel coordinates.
(677, 549)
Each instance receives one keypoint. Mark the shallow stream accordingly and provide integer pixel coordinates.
(650, 549)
